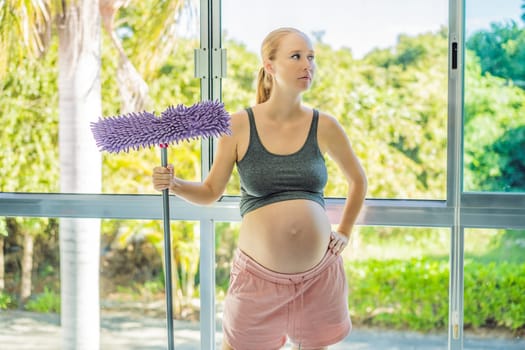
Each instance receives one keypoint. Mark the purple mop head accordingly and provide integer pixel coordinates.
(175, 124)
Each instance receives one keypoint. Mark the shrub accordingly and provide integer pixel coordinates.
(6, 301)
(413, 294)
(48, 301)
(494, 295)
(399, 294)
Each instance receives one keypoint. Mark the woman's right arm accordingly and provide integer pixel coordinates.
(213, 186)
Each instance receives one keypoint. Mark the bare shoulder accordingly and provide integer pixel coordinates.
(239, 122)
(331, 136)
(328, 125)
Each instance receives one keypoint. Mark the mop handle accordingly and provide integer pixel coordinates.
(136, 130)
(167, 251)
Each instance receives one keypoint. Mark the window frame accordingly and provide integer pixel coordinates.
(458, 211)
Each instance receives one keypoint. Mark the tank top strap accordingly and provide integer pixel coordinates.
(254, 137)
(312, 135)
(251, 118)
(250, 115)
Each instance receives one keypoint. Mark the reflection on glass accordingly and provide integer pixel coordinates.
(494, 93)
(494, 276)
(382, 74)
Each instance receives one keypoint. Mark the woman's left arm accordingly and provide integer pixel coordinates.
(334, 141)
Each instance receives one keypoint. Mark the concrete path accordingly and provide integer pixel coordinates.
(20, 330)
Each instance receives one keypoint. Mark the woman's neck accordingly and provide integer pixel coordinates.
(283, 107)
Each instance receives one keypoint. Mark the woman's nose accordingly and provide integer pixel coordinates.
(307, 64)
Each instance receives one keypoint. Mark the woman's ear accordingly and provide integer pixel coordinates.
(268, 67)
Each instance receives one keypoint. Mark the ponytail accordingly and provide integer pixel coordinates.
(264, 86)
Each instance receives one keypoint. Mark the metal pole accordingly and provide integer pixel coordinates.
(167, 252)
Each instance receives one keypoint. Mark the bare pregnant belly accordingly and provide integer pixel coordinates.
(288, 237)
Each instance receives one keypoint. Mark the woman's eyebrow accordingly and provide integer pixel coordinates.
(301, 51)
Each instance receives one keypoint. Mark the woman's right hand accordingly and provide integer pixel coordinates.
(162, 177)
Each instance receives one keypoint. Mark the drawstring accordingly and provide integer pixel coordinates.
(300, 313)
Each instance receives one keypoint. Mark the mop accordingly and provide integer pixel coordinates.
(143, 130)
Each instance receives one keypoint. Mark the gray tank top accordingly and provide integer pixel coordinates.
(268, 178)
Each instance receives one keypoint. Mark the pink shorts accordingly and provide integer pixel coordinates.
(263, 307)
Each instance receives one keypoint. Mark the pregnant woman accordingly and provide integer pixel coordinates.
(287, 278)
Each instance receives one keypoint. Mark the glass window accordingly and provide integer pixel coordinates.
(494, 303)
(386, 84)
(494, 110)
(129, 264)
(398, 278)
(159, 77)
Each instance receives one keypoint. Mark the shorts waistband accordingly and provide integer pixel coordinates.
(247, 263)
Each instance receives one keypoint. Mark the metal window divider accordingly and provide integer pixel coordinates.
(210, 68)
(455, 171)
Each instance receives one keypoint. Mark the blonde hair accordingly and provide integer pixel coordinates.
(269, 48)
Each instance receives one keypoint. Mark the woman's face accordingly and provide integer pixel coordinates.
(293, 66)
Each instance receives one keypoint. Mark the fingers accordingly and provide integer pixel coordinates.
(338, 242)
(337, 246)
(162, 177)
(163, 170)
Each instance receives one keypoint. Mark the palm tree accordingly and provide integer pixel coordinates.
(78, 28)
(78, 24)
(79, 85)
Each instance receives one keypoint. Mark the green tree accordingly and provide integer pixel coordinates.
(501, 51)
(492, 160)
(392, 104)
(500, 166)
(28, 159)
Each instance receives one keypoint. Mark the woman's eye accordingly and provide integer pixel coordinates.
(297, 56)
